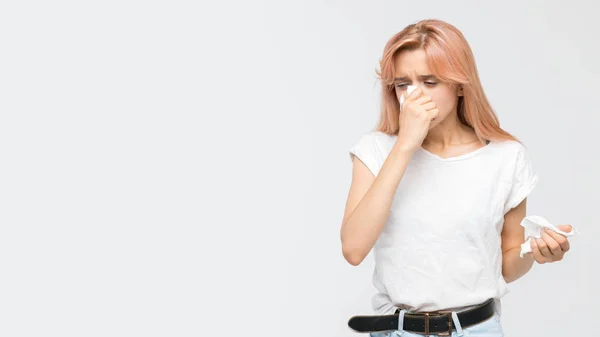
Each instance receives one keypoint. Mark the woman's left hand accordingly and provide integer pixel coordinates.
(551, 247)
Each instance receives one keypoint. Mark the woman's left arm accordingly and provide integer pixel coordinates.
(550, 247)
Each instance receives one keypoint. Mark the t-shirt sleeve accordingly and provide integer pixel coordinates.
(524, 179)
(367, 149)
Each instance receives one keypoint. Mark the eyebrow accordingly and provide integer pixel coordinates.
(406, 79)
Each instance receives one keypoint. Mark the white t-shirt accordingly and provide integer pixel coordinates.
(441, 246)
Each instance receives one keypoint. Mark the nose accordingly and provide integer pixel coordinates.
(422, 87)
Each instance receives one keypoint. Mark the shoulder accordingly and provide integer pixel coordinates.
(381, 139)
(510, 148)
(514, 157)
(377, 135)
(508, 144)
(376, 140)
(372, 148)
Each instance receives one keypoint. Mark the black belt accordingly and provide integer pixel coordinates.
(437, 322)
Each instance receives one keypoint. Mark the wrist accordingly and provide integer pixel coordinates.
(402, 147)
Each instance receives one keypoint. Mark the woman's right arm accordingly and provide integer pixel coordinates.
(369, 201)
(370, 197)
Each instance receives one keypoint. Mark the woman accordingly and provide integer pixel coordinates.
(438, 192)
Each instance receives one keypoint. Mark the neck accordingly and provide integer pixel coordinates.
(449, 132)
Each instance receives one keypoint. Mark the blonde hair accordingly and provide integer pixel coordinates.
(450, 58)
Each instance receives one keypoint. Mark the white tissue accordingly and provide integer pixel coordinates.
(534, 225)
(409, 89)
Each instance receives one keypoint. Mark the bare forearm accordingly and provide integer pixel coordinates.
(365, 223)
(513, 266)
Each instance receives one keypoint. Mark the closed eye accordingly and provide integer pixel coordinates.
(402, 85)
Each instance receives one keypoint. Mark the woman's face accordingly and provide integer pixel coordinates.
(411, 69)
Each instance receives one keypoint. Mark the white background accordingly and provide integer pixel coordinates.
(172, 168)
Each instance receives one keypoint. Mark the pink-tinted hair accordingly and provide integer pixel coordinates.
(449, 58)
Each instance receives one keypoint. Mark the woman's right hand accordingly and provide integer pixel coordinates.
(416, 114)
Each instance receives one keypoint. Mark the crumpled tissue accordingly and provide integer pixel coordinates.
(534, 224)
(409, 89)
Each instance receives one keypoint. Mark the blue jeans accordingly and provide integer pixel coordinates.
(491, 327)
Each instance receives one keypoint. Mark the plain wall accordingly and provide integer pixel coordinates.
(180, 168)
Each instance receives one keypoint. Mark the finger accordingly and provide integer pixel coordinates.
(429, 106)
(552, 244)
(537, 255)
(561, 239)
(565, 228)
(543, 248)
(423, 100)
(433, 113)
(415, 94)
